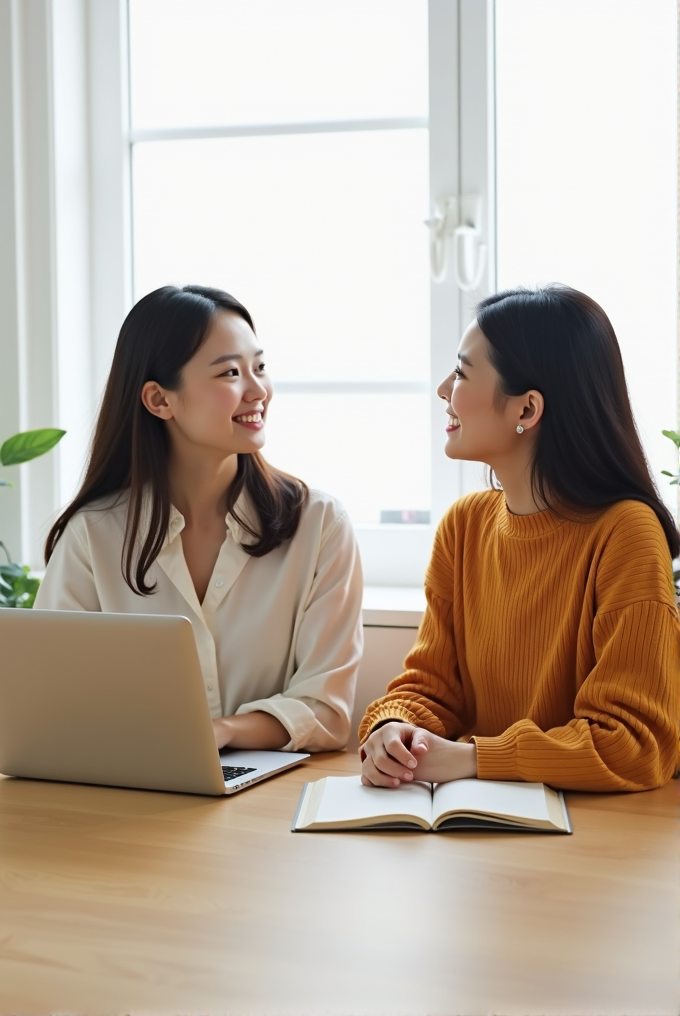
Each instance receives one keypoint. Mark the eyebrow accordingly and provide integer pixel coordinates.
(234, 356)
(463, 359)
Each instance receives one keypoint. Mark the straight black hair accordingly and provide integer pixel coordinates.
(130, 447)
(588, 453)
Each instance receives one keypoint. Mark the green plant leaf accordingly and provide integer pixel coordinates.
(17, 587)
(29, 445)
(673, 436)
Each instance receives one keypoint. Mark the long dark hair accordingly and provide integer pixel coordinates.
(130, 447)
(588, 453)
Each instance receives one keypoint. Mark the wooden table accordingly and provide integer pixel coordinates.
(117, 901)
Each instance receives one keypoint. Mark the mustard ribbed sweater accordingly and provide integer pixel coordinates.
(554, 644)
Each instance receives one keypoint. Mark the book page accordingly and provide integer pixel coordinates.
(523, 803)
(345, 802)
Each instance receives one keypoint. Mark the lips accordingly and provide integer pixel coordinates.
(452, 424)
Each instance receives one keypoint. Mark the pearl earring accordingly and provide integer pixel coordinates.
(520, 428)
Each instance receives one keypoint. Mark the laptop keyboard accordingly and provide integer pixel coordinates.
(233, 772)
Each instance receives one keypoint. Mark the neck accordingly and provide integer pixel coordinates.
(200, 484)
(515, 478)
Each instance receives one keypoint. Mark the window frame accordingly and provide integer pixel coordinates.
(87, 271)
(65, 243)
(461, 96)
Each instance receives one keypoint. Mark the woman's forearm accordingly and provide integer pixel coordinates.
(251, 730)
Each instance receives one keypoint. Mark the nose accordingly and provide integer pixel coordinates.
(256, 391)
(445, 389)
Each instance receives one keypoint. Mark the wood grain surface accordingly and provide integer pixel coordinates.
(121, 901)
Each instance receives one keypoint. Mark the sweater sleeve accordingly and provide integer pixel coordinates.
(429, 693)
(624, 734)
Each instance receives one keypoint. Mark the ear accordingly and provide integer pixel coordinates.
(154, 399)
(532, 409)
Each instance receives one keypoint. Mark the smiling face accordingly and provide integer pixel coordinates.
(480, 425)
(222, 403)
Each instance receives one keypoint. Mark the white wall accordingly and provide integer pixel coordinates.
(383, 659)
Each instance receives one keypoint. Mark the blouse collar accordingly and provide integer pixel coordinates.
(243, 508)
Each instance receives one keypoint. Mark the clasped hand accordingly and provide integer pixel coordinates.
(398, 753)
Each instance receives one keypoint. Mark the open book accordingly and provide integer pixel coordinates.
(342, 802)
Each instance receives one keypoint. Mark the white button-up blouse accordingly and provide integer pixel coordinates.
(280, 633)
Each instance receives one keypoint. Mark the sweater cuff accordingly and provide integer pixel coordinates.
(398, 713)
(497, 756)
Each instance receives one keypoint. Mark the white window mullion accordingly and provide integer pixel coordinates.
(71, 187)
(461, 164)
(268, 129)
(444, 182)
(110, 170)
(476, 103)
(477, 129)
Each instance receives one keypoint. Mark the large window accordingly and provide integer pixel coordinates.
(290, 151)
(280, 151)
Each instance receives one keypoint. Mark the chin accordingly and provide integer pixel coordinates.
(251, 446)
(452, 450)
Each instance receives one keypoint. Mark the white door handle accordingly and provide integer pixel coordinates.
(469, 257)
(460, 218)
(441, 227)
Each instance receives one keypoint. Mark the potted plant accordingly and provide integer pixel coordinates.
(674, 436)
(17, 587)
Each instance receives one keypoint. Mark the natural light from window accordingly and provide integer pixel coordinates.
(587, 176)
(319, 231)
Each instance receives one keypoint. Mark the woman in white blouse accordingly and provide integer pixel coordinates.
(179, 513)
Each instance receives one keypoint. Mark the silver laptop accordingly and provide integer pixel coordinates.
(114, 699)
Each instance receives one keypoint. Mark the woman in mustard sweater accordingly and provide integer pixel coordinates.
(550, 646)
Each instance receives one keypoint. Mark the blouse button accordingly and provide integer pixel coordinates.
(209, 687)
(219, 583)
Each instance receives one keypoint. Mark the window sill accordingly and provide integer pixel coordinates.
(393, 606)
(382, 606)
